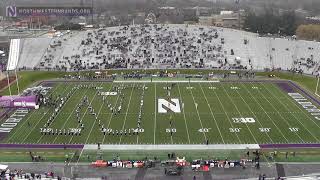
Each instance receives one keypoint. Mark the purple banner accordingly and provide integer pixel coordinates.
(19, 102)
(42, 146)
(13, 11)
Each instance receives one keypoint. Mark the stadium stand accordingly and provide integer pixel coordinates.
(13, 54)
(33, 50)
(170, 46)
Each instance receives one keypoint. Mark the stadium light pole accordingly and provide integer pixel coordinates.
(15, 72)
(316, 92)
(9, 83)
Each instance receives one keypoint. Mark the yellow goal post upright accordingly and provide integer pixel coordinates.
(317, 86)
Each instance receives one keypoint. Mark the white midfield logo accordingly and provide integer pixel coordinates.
(172, 105)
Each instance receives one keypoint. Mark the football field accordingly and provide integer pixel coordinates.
(230, 112)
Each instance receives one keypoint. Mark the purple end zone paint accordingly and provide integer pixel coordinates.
(285, 87)
(41, 146)
(18, 101)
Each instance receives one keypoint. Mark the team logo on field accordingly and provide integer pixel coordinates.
(108, 93)
(172, 105)
(243, 120)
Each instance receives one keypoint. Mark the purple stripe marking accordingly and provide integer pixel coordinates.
(270, 146)
(306, 93)
(285, 87)
(40, 146)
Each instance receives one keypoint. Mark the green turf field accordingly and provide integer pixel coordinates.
(220, 112)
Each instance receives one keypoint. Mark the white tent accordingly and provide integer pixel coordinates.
(3, 167)
(1, 52)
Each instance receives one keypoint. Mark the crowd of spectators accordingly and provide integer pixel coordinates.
(161, 46)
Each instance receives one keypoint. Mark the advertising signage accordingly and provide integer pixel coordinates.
(30, 102)
(13, 11)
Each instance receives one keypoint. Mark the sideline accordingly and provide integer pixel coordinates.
(171, 147)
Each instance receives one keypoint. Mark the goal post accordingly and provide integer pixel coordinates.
(317, 86)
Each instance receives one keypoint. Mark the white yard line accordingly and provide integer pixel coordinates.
(278, 112)
(155, 113)
(30, 115)
(214, 118)
(267, 115)
(254, 114)
(110, 119)
(85, 112)
(125, 117)
(190, 90)
(38, 123)
(295, 116)
(231, 100)
(225, 112)
(65, 122)
(96, 120)
(184, 116)
(92, 128)
(144, 86)
(245, 123)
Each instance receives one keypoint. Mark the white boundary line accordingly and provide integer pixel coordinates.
(183, 81)
(172, 147)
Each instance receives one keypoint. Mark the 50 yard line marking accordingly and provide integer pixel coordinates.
(212, 113)
(125, 118)
(22, 125)
(144, 86)
(155, 113)
(184, 116)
